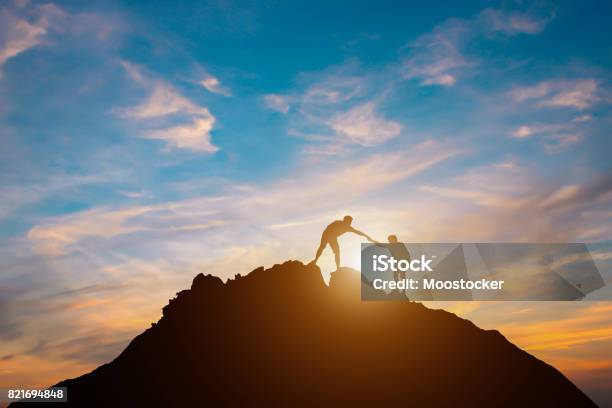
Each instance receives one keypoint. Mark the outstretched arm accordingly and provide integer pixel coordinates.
(362, 234)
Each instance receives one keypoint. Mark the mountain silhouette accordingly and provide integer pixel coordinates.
(282, 337)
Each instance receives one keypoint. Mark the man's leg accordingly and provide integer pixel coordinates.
(320, 250)
(333, 243)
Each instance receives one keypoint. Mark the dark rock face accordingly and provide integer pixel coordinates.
(281, 337)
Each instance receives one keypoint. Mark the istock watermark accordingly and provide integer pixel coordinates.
(486, 271)
(383, 263)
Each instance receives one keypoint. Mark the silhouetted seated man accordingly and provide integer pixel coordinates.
(332, 232)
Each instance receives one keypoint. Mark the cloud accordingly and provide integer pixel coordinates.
(555, 138)
(17, 34)
(436, 57)
(340, 85)
(537, 91)
(361, 125)
(577, 94)
(333, 87)
(213, 85)
(277, 103)
(135, 73)
(169, 116)
(337, 111)
(319, 152)
(317, 189)
(134, 194)
(482, 198)
(164, 101)
(194, 136)
(439, 57)
(59, 234)
(557, 143)
(28, 25)
(487, 201)
(522, 132)
(595, 191)
(513, 23)
(580, 96)
(17, 196)
(582, 118)
(525, 131)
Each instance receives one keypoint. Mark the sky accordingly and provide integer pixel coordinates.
(144, 142)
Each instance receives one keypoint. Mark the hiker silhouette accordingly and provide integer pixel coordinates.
(398, 251)
(330, 236)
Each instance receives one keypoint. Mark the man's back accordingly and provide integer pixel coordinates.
(336, 229)
(398, 251)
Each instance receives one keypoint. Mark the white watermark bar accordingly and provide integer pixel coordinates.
(486, 271)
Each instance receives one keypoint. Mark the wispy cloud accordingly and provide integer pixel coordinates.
(134, 72)
(554, 137)
(54, 238)
(212, 84)
(439, 57)
(277, 103)
(62, 235)
(334, 89)
(25, 26)
(17, 196)
(578, 94)
(193, 136)
(496, 196)
(513, 22)
(557, 143)
(164, 101)
(582, 118)
(337, 111)
(133, 194)
(161, 110)
(363, 126)
(19, 35)
(436, 57)
(525, 131)
(522, 132)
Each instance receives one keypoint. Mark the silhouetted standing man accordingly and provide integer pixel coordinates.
(332, 232)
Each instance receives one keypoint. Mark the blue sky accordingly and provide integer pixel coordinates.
(144, 142)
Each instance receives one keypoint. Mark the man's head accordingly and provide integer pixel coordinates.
(392, 239)
(347, 219)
